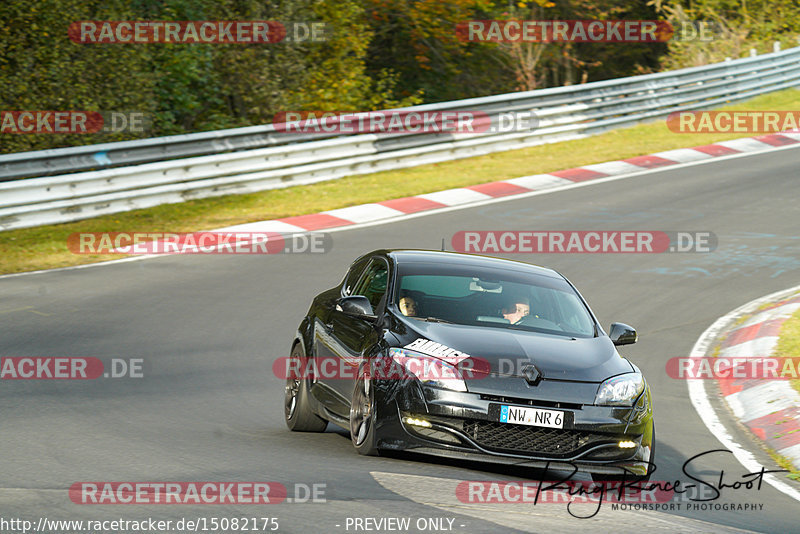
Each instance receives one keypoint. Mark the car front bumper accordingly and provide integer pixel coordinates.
(464, 425)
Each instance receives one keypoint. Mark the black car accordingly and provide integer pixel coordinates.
(470, 357)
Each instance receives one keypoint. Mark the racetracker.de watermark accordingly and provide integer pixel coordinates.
(582, 241)
(196, 31)
(733, 121)
(561, 492)
(195, 492)
(399, 366)
(584, 31)
(215, 242)
(177, 493)
(68, 368)
(403, 121)
(725, 368)
(628, 494)
(73, 122)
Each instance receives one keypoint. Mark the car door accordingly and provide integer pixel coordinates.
(351, 336)
(325, 346)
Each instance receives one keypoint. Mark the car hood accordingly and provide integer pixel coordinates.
(507, 351)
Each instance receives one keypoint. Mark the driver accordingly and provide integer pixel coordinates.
(407, 307)
(516, 308)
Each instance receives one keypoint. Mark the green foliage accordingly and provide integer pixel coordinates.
(738, 26)
(41, 69)
(418, 41)
(182, 87)
(339, 80)
(379, 54)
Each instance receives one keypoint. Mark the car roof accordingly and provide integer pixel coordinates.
(406, 256)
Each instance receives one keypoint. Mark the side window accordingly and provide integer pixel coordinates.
(351, 278)
(373, 284)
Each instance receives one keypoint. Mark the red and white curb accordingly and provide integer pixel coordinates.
(389, 210)
(769, 408)
(728, 328)
(465, 196)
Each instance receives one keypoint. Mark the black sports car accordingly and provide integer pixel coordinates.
(470, 357)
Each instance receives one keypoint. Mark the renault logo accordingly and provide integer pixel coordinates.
(532, 374)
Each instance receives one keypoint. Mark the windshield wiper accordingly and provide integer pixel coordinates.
(436, 320)
(525, 328)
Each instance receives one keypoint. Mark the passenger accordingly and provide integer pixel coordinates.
(516, 308)
(407, 307)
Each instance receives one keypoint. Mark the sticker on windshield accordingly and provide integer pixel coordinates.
(437, 350)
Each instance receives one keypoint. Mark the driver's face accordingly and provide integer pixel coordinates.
(520, 310)
(408, 307)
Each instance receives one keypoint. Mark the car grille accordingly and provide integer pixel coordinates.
(556, 442)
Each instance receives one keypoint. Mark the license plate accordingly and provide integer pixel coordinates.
(520, 415)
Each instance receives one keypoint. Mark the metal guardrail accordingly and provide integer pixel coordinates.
(243, 160)
(108, 155)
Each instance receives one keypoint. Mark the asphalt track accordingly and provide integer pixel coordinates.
(208, 328)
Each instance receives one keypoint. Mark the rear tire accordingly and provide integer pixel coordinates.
(297, 404)
(363, 415)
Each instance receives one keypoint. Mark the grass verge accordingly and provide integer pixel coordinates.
(785, 463)
(789, 343)
(44, 247)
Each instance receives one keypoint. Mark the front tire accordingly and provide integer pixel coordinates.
(297, 404)
(363, 416)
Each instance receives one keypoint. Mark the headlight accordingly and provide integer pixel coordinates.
(429, 370)
(621, 390)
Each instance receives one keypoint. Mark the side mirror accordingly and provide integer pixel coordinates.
(357, 306)
(622, 334)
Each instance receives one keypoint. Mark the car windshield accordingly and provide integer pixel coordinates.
(493, 298)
